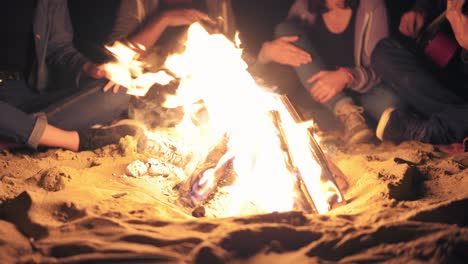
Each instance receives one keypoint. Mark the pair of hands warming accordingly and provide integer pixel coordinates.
(412, 22)
(171, 18)
(324, 84)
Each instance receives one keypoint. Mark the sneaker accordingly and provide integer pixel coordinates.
(397, 126)
(355, 126)
(93, 138)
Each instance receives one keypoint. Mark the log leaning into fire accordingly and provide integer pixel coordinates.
(327, 174)
(276, 117)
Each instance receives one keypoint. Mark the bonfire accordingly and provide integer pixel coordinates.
(230, 173)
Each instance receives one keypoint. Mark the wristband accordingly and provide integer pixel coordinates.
(348, 74)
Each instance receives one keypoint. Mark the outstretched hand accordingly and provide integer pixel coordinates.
(411, 23)
(458, 21)
(99, 72)
(283, 51)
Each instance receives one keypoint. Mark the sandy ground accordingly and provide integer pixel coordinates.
(405, 204)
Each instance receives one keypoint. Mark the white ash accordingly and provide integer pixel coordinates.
(154, 167)
(159, 168)
(136, 169)
(168, 150)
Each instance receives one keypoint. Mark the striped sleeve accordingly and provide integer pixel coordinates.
(364, 79)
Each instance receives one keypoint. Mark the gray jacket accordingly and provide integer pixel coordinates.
(371, 27)
(53, 35)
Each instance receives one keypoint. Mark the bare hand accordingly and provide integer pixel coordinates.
(183, 17)
(95, 71)
(411, 23)
(282, 51)
(115, 87)
(458, 21)
(100, 72)
(327, 84)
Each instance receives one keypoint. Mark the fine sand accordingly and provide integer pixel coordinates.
(405, 204)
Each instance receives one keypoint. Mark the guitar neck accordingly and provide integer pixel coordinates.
(435, 24)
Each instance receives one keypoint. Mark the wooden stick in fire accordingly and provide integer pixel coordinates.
(289, 160)
(316, 149)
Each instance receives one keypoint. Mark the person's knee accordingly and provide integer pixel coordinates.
(382, 54)
(288, 28)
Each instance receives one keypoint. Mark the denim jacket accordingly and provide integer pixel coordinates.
(53, 36)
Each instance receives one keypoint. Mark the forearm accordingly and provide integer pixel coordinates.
(459, 24)
(150, 34)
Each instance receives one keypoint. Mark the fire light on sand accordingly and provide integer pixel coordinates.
(268, 150)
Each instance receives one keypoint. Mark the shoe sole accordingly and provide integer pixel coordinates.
(383, 121)
(128, 122)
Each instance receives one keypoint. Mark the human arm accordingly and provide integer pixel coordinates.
(422, 11)
(458, 21)
(149, 34)
(283, 51)
(61, 52)
(412, 22)
(326, 84)
(364, 77)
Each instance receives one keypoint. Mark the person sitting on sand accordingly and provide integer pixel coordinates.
(437, 43)
(330, 53)
(145, 23)
(437, 115)
(37, 47)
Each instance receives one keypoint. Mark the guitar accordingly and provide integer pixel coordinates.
(438, 42)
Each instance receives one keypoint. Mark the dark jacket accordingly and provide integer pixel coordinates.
(53, 35)
(433, 8)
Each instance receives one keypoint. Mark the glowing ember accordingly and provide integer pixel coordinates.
(269, 151)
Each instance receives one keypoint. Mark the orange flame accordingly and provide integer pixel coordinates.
(211, 70)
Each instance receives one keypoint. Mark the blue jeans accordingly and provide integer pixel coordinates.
(446, 114)
(75, 110)
(374, 102)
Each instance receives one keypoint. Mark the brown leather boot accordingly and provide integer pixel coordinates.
(355, 126)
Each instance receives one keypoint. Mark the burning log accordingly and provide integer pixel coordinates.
(327, 174)
(290, 163)
(259, 151)
(150, 108)
(212, 173)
